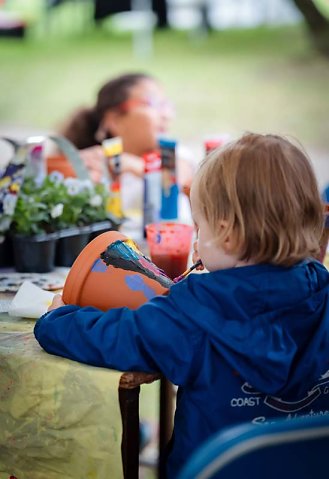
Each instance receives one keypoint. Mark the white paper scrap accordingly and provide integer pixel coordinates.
(30, 301)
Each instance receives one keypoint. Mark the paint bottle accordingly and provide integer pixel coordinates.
(169, 187)
(152, 188)
(35, 160)
(213, 142)
(113, 150)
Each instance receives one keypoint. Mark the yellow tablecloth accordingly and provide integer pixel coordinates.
(58, 419)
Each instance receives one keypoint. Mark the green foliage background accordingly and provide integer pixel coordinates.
(265, 79)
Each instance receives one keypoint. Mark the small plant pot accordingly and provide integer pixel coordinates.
(34, 254)
(115, 221)
(60, 163)
(70, 244)
(99, 228)
(6, 253)
(91, 282)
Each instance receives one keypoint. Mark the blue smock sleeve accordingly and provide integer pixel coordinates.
(157, 337)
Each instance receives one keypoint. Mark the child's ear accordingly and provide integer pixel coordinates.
(228, 238)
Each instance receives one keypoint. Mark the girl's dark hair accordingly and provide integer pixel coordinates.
(84, 124)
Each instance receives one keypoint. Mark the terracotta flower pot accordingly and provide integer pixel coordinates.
(124, 277)
(60, 163)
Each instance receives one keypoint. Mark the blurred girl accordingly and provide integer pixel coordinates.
(134, 107)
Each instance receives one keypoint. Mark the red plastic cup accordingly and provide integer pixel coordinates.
(169, 246)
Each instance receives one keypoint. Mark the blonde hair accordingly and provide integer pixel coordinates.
(265, 188)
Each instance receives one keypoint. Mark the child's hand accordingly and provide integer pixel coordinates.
(132, 164)
(94, 158)
(196, 257)
(57, 302)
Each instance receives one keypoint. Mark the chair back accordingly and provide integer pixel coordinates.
(279, 449)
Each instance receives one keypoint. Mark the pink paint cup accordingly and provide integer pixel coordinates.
(169, 246)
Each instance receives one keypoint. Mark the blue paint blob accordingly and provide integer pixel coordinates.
(99, 266)
(137, 283)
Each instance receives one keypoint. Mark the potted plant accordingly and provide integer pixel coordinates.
(11, 179)
(33, 228)
(83, 206)
(55, 214)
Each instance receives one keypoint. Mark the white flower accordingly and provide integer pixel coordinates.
(96, 200)
(56, 177)
(9, 204)
(71, 181)
(87, 185)
(57, 210)
(105, 182)
(73, 186)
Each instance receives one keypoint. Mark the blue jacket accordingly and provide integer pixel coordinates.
(242, 344)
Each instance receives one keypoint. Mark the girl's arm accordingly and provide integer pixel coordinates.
(151, 339)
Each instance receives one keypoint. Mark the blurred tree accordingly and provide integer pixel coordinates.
(317, 24)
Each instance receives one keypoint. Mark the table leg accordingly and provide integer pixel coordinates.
(129, 407)
(166, 422)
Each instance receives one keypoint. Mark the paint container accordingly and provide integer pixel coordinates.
(169, 190)
(35, 161)
(170, 245)
(213, 142)
(111, 272)
(152, 189)
(112, 148)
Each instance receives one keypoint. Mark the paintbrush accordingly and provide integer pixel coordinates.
(195, 265)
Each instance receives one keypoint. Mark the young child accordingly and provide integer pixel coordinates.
(247, 341)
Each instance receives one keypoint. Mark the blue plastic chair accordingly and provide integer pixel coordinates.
(282, 449)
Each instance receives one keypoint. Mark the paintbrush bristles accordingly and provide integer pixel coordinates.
(182, 276)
